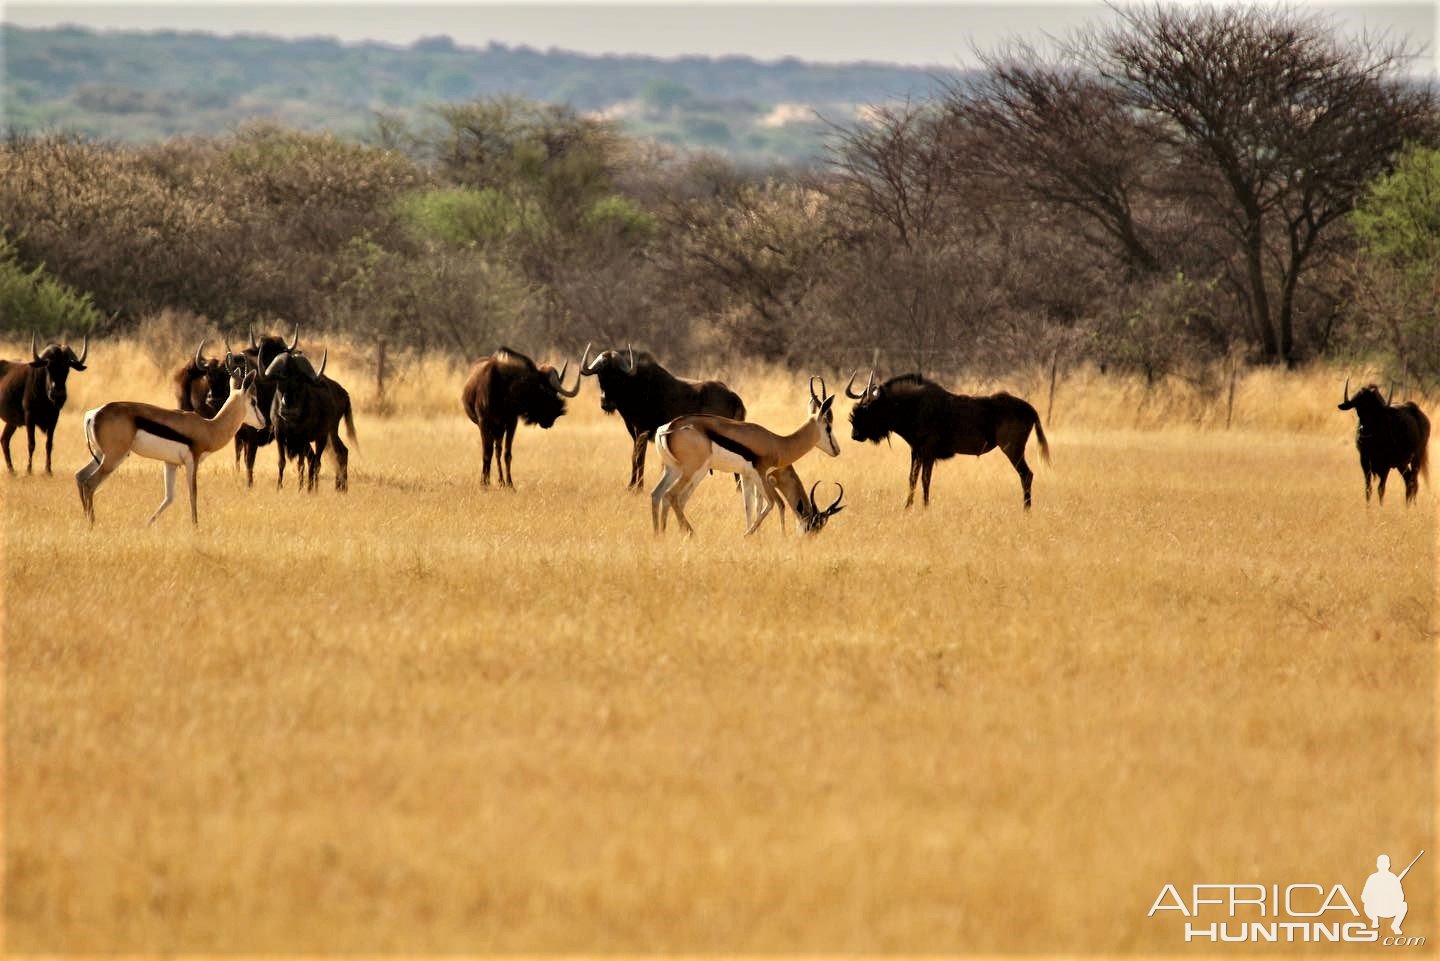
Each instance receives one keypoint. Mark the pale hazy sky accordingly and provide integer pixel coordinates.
(900, 32)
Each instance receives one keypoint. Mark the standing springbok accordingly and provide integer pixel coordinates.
(176, 438)
(693, 445)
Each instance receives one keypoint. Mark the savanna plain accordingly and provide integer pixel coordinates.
(427, 717)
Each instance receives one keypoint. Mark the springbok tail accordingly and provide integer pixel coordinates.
(1040, 436)
(90, 440)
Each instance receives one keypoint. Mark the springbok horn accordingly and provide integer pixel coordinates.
(850, 387)
(1346, 398)
(84, 349)
(821, 398)
(32, 346)
(295, 338)
(324, 359)
(812, 496)
(838, 497)
(200, 350)
(253, 341)
(560, 381)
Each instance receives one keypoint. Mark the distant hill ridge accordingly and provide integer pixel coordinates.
(147, 85)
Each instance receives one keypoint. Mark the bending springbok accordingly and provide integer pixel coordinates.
(176, 438)
(692, 446)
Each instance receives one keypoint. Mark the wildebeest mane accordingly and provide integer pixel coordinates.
(506, 355)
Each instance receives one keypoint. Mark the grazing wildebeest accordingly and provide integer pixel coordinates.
(647, 395)
(1389, 438)
(305, 415)
(938, 425)
(31, 394)
(504, 389)
(202, 384)
(175, 438)
(259, 355)
(693, 445)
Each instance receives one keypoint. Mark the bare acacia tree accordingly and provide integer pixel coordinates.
(1290, 120)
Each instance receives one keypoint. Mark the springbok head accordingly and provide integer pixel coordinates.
(821, 413)
(242, 378)
(817, 518)
(57, 361)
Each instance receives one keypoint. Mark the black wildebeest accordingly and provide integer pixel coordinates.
(202, 384)
(504, 389)
(305, 414)
(646, 395)
(260, 355)
(31, 394)
(1389, 438)
(938, 425)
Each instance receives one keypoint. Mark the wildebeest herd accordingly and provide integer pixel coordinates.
(270, 391)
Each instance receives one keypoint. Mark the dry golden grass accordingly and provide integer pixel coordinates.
(426, 717)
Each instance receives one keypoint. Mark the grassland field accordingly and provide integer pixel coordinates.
(429, 718)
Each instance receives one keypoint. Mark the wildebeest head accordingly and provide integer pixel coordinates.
(871, 417)
(264, 349)
(613, 370)
(213, 373)
(1365, 400)
(538, 394)
(816, 519)
(822, 412)
(57, 361)
(294, 379)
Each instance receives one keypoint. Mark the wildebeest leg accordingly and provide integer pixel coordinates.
(49, 444)
(1365, 469)
(487, 441)
(637, 460)
(169, 492)
(320, 446)
(342, 463)
(251, 449)
(1412, 484)
(925, 470)
(1384, 473)
(509, 445)
(29, 447)
(280, 446)
(1016, 453)
(914, 475)
(5, 436)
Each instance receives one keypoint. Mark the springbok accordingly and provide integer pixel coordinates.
(176, 438)
(691, 446)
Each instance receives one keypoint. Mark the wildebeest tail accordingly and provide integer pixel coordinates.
(349, 415)
(1040, 436)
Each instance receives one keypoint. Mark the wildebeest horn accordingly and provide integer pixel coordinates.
(560, 381)
(200, 350)
(33, 353)
(270, 371)
(630, 365)
(1346, 397)
(253, 341)
(1390, 396)
(295, 338)
(585, 361)
(850, 387)
(324, 359)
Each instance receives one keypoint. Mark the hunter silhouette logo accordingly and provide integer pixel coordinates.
(1383, 896)
(1289, 913)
